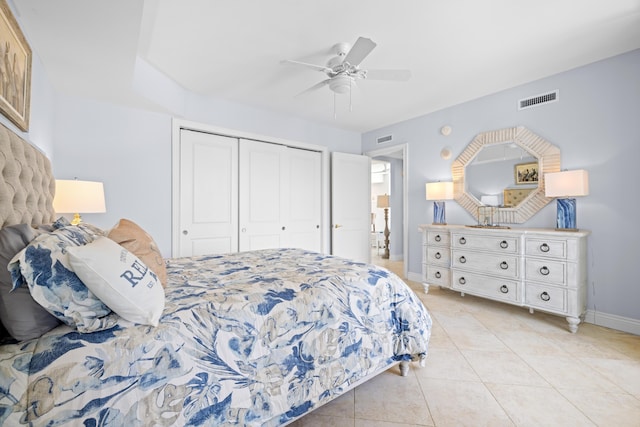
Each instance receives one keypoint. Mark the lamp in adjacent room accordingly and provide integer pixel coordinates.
(566, 185)
(76, 197)
(383, 202)
(439, 192)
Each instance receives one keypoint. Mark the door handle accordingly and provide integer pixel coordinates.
(338, 226)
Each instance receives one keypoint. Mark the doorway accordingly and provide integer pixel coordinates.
(397, 157)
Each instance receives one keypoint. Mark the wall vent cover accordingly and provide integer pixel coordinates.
(534, 101)
(385, 139)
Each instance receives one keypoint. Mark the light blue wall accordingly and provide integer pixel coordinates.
(596, 124)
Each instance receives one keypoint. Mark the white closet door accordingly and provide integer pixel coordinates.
(305, 196)
(208, 194)
(263, 203)
(351, 206)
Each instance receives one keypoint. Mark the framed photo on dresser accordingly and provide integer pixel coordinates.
(15, 70)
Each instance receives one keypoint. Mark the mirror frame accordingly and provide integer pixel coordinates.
(548, 156)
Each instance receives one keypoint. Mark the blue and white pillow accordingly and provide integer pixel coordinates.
(44, 266)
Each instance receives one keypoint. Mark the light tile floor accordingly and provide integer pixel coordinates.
(492, 364)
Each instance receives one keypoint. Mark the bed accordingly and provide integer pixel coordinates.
(252, 338)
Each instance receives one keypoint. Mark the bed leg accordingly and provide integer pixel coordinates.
(423, 361)
(404, 368)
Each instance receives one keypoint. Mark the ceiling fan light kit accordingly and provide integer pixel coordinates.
(343, 70)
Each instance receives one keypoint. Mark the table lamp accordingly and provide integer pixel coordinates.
(439, 192)
(565, 186)
(73, 196)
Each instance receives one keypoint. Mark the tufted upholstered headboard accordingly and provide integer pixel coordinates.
(27, 185)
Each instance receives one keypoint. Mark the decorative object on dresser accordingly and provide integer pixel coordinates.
(383, 202)
(439, 192)
(566, 185)
(15, 95)
(543, 269)
(73, 196)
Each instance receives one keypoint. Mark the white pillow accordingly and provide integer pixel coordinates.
(123, 282)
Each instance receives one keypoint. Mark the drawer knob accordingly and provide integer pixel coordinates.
(462, 241)
(438, 275)
(504, 244)
(437, 238)
(462, 280)
(438, 255)
(504, 289)
(544, 270)
(544, 247)
(545, 296)
(462, 260)
(504, 265)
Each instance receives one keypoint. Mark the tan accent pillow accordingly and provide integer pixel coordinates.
(137, 241)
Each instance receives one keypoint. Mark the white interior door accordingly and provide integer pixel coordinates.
(263, 169)
(350, 206)
(305, 196)
(208, 194)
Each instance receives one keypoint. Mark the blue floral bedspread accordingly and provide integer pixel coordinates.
(253, 338)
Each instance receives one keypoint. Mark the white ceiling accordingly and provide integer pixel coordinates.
(457, 50)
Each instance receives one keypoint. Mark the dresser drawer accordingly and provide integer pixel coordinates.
(499, 265)
(546, 297)
(490, 287)
(438, 255)
(547, 248)
(437, 275)
(440, 238)
(501, 244)
(546, 271)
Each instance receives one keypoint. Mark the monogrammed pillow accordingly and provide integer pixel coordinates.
(120, 279)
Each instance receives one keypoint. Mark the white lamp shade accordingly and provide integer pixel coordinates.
(490, 200)
(439, 190)
(73, 196)
(383, 201)
(566, 183)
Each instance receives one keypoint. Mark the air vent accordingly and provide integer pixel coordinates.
(385, 139)
(534, 101)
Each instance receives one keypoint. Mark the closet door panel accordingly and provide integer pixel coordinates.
(263, 169)
(305, 196)
(208, 194)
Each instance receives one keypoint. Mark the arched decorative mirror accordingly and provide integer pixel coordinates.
(504, 168)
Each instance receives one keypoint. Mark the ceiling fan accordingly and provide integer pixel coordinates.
(344, 69)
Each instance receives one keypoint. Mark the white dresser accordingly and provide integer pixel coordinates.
(542, 269)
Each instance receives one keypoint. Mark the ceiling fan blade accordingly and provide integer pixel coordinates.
(305, 64)
(393, 75)
(359, 51)
(314, 87)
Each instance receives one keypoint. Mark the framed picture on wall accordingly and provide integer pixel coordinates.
(526, 173)
(15, 70)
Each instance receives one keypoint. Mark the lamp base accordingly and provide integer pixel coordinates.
(76, 219)
(566, 214)
(439, 216)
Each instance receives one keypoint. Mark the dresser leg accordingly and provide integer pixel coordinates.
(573, 324)
(530, 310)
(426, 288)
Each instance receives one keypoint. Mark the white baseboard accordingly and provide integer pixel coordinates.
(415, 277)
(624, 324)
